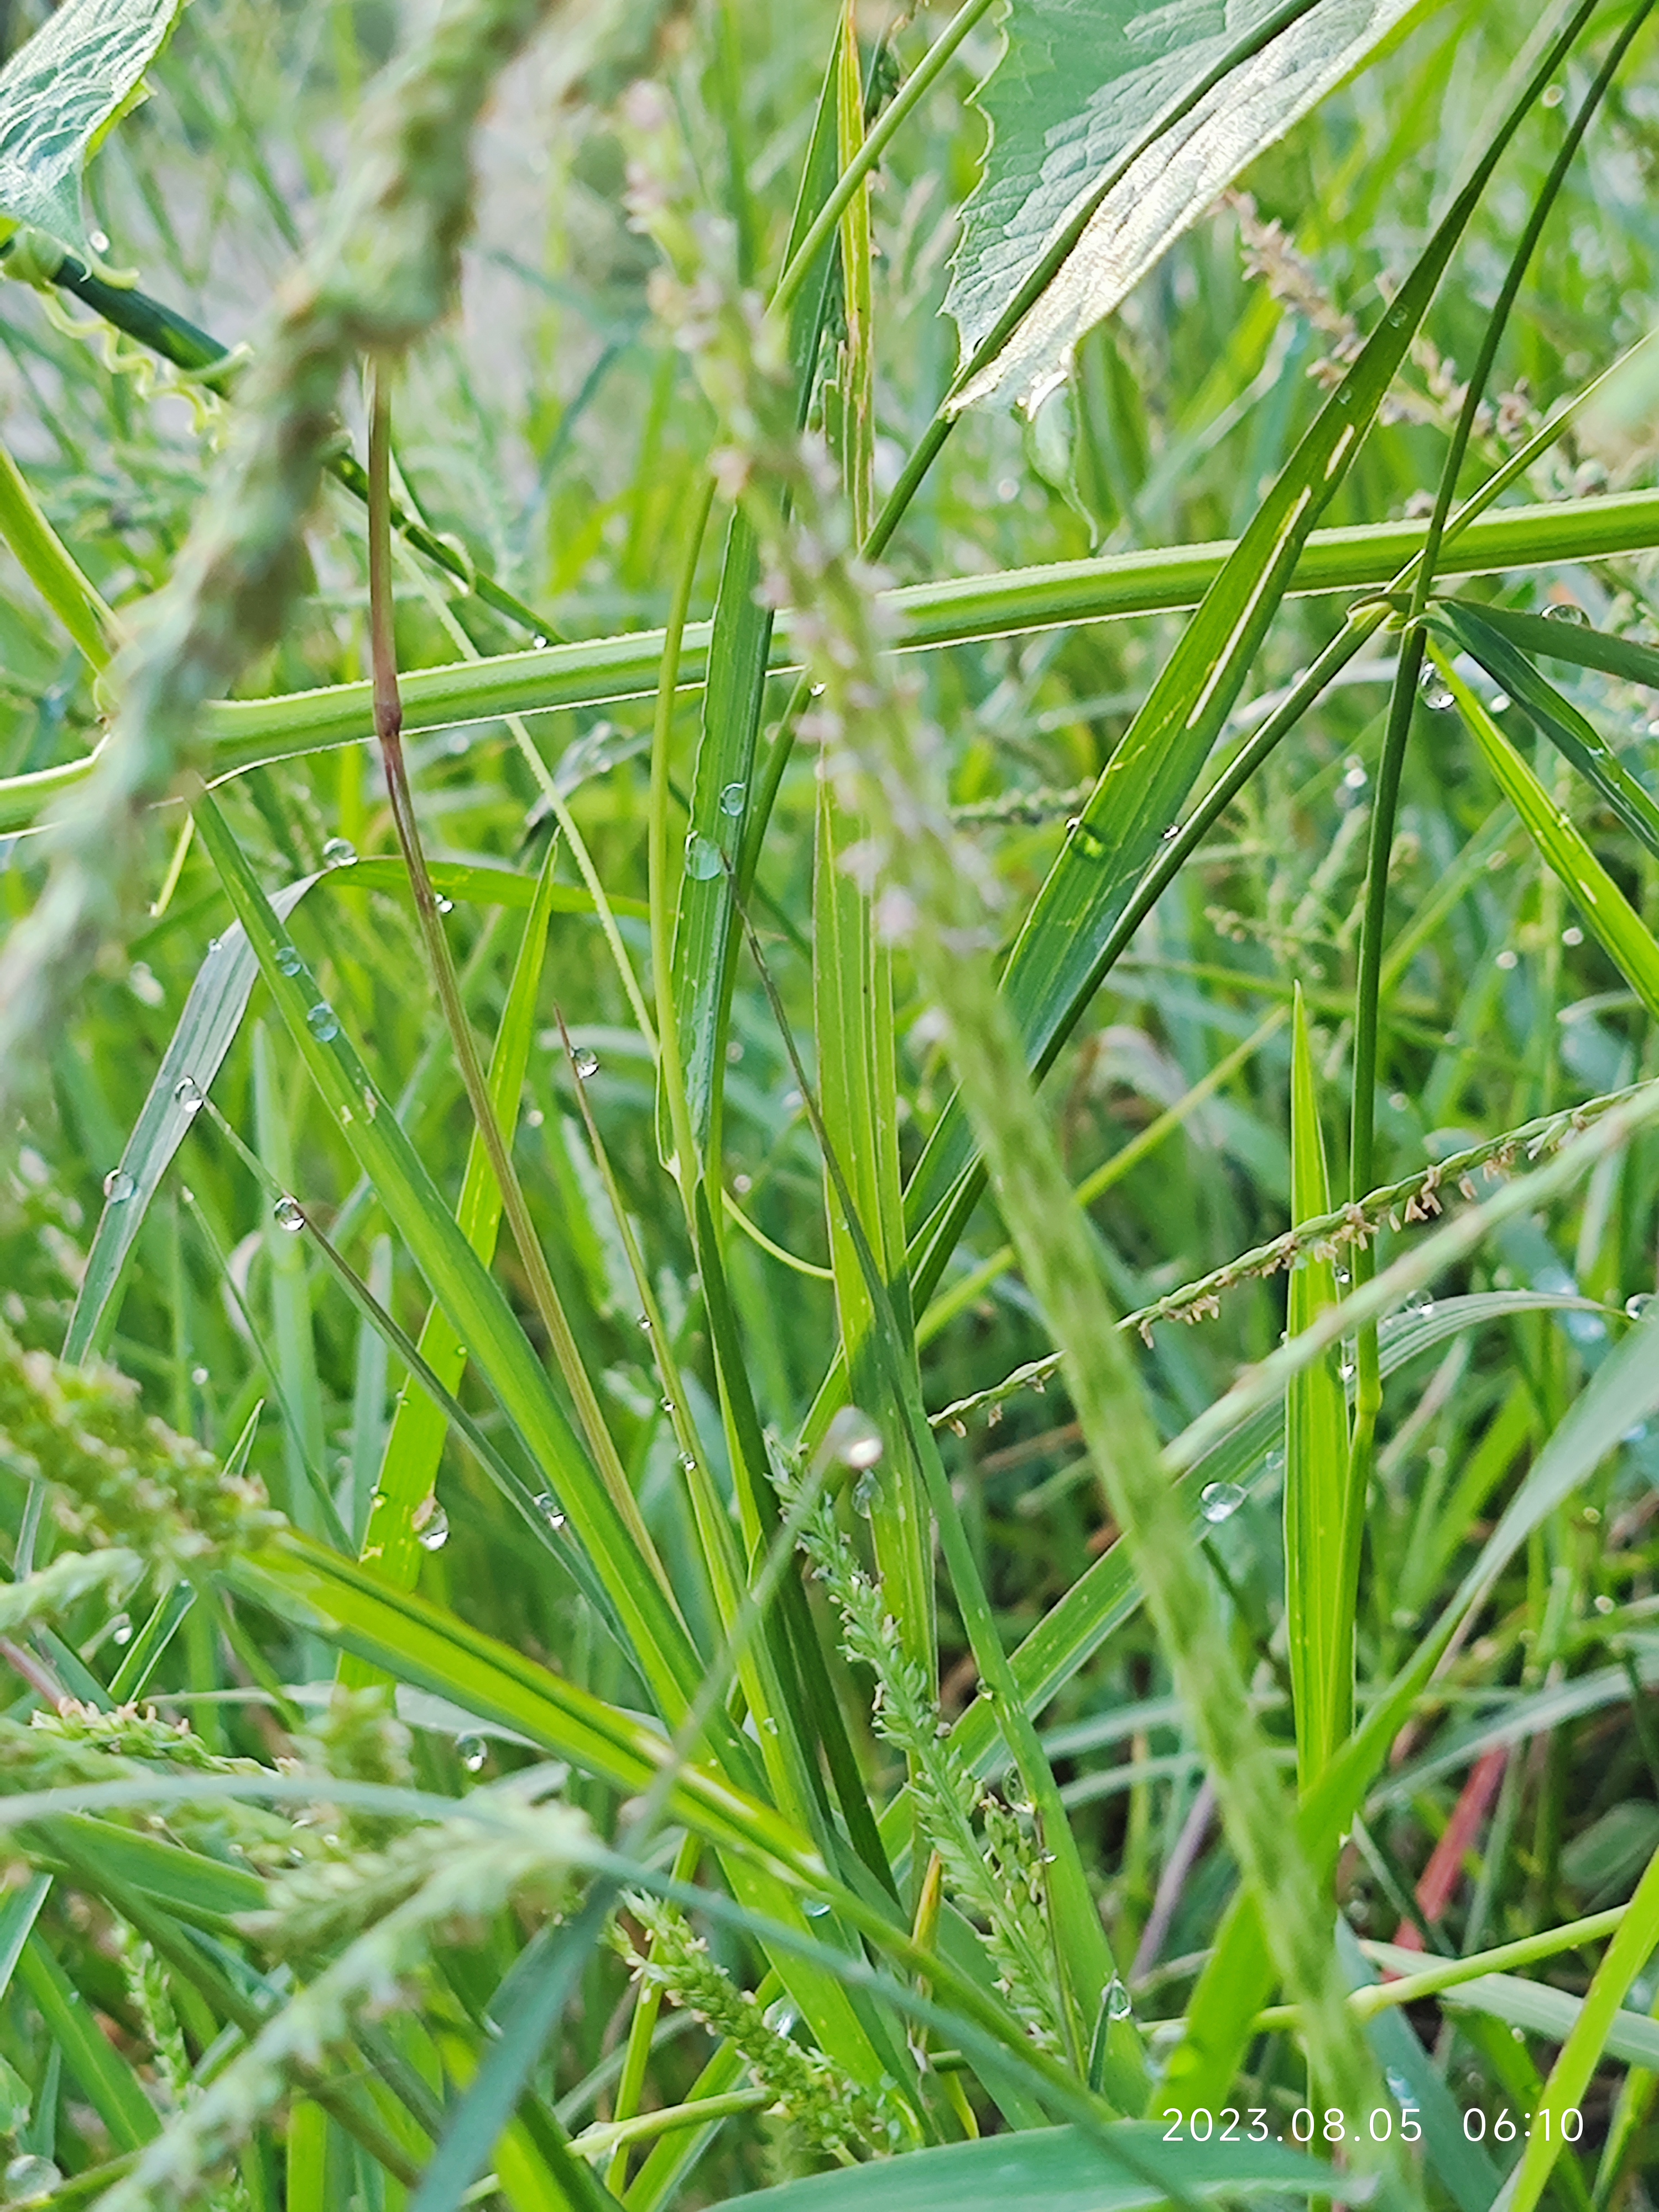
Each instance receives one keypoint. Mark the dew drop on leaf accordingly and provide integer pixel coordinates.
(471, 1751)
(702, 858)
(287, 959)
(1118, 2006)
(434, 1532)
(585, 1062)
(339, 852)
(322, 1023)
(1637, 1305)
(289, 1214)
(1219, 1501)
(188, 1093)
(119, 1186)
(547, 1506)
(731, 799)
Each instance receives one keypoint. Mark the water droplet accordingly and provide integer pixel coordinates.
(29, 2176)
(214, 943)
(339, 852)
(1637, 1304)
(1435, 693)
(1499, 703)
(198, 1376)
(99, 241)
(1343, 396)
(1086, 838)
(779, 2017)
(1171, 833)
(688, 1461)
(731, 799)
(1604, 1603)
(1355, 777)
(121, 1629)
(471, 1751)
(188, 1093)
(1399, 2088)
(289, 961)
(538, 643)
(1346, 1371)
(668, 1406)
(1118, 2005)
(643, 1321)
(289, 1214)
(322, 1022)
(433, 1532)
(547, 1506)
(1219, 1501)
(1566, 610)
(1420, 1305)
(814, 1908)
(854, 1439)
(119, 1186)
(702, 858)
(444, 905)
(585, 1062)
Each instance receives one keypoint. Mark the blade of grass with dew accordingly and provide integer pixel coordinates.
(1056, 964)
(1233, 1984)
(1107, 1592)
(766, 1670)
(1590, 2036)
(599, 671)
(468, 1293)
(1084, 1969)
(1562, 845)
(388, 728)
(1321, 1519)
(196, 1051)
(1558, 718)
(853, 996)
(414, 1443)
(293, 1342)
(739, 651)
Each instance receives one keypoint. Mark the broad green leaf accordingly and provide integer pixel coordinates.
(1558, 718)
(1081, 90)
(59, 93)
(1321, 1521)
(1606, 909)
(1051, 2170)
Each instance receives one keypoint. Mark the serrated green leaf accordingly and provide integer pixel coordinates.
(60, 93)
(1082, 90)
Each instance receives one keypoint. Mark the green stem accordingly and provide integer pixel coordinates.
(52, 570)
(388, 721)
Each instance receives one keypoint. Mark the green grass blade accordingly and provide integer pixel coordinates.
(1051, 2166)
(1056, 963)
(1321, 1521)
(196, 1051)
(599, 671)
(1599, 2027)
(738, 652)
(468, 1293)
(1563, 847)
(414, 1443)
(1558, 718)
(1233, 1986)
(109, 2085)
